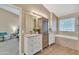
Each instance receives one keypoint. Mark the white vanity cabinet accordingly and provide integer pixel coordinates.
(51, 38)
(32, 44)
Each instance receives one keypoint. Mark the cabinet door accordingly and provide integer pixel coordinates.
(29, 45)
(51, 38)
(34, 45)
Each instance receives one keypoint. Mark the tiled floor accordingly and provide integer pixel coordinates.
(57, 50)
(9, 47)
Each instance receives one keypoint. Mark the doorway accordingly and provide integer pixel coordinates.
(45, 33)
(9, 33)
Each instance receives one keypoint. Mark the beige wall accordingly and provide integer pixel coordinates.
(29, 23)
(7, 21)
(53, 23)
(69, 42)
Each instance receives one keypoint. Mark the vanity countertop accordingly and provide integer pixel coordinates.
(31, 35)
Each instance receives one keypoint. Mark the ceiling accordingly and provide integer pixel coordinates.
(11, 8)
(62, 9)
(57, 9)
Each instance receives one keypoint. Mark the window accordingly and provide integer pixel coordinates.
(67, 24)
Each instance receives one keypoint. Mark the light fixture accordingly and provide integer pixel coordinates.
(39, 14)
(35, 14)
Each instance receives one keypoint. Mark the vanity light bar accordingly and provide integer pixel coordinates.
(38, 14)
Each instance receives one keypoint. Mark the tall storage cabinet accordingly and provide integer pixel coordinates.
(52, 28)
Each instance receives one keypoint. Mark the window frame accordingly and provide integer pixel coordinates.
(64, 19)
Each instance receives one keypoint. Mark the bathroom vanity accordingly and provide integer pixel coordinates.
(32, 43)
